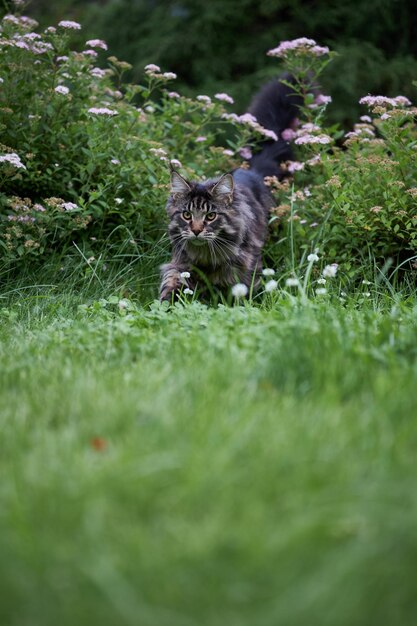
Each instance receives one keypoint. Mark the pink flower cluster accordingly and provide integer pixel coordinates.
(224, 97)
(13, 159)
(300, 47)
(102, 111)
(155, 71)
(69, 25)
(250, 120)
(383, 101)
(311, 134)
(96, 43)
(30, 42)
(23, 21)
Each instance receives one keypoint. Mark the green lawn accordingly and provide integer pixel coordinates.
(256, 466)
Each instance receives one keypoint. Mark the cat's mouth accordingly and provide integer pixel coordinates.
(196, 241)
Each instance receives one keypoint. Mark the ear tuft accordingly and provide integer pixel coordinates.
(178, 183)
(224, 187)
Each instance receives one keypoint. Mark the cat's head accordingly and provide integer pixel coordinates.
(200, 213)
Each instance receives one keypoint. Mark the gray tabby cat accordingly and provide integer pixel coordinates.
(218, 227)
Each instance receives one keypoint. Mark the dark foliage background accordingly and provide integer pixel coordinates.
(221, 44)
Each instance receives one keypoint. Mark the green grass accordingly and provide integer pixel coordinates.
(259, 470)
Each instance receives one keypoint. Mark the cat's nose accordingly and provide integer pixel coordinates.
(197, 229)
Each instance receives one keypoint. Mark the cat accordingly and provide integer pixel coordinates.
(218, 227)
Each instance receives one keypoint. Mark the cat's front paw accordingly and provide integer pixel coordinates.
(170, 284)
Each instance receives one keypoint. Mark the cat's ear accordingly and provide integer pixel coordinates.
(223, 189)
(178, 183)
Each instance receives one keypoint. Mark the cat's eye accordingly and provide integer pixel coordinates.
(186, 215)
(211, 215)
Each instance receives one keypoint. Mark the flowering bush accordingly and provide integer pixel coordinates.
(353, 195)
(85, 156)
(80, 151)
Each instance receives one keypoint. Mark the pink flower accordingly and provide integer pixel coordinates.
(373, 101)
(267, 133)
(97, 72)
(102, 111)
(173, 94)
(176, 163)
(96, 43)
(295, 166)
(204, 99)
(301, 46)
(69, 206)
(322, 99)
(245, 153)
(248, 118)
(151, 68)
(201, 138)
(69, 25)
(90, 53)
(224, 97)
(288, 134)
(13, 159)
(64, 91)
(313, 139)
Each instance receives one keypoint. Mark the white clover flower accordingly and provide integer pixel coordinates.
(188, 292)
(185, 275)
(330, 271)
(228, 152)
(115, 161)
(169, 75)
(1, 80)
(176, 163)
(268, 271)
(69, 25)
(204, 99)
(321, 281)
(312, 257)
(123, 303)
(96, 43)
(64, 91)
(321, 291)
(239, 290)
(292, 282)
(366, 282)
(173, 94)
(118, 200)
(271, 285)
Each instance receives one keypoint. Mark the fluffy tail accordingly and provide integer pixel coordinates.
(276, 107)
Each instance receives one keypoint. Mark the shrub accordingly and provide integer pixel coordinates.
(352, 195)
(84, 156)
(77, 153)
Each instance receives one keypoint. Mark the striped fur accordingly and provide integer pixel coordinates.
(227, 250)
(218, 228)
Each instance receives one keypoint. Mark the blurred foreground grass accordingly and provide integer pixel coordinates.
(242, 466)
